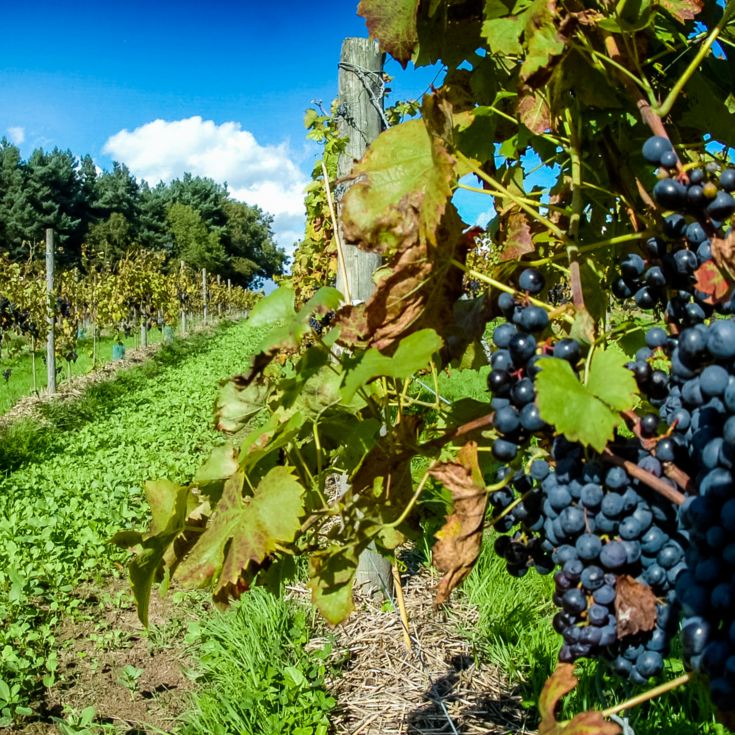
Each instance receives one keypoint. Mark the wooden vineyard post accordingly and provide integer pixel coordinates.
(204, 294)
(360, 121)
(50, 316)
(182, 305)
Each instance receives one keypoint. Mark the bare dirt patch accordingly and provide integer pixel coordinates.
(135, 680)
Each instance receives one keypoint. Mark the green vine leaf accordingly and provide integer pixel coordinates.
(244, 530)
(331, 577)
(586, 413)
(412, 355)
(169, 504)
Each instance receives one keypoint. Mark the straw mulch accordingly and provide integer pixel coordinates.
(436, 688)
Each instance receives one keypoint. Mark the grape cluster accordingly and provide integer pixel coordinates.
(588, 522)
(514, 367)
(698, 404)
(594, 523)
(666, 277)
(14, 318)
(318, 324)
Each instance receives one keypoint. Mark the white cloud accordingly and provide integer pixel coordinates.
(16, 135)
(261, 175)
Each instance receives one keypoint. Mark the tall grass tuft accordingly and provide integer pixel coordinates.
(255, 674)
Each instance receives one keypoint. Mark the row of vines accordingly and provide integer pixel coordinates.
(140, 293)
(600, 134)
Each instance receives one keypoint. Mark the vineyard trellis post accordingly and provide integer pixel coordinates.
(204, 295)
(50, 317)
(360, 120)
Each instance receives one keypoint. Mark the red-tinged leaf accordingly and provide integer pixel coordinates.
(515, 235)
(533, 111)
(683, 10)
(460, 539)
(635, 607)
(713, 281)
(393, 24)
(560, 683)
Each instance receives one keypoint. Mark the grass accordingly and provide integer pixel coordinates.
(255, 672)
(20, 363)
(514, 632)
(69, 485)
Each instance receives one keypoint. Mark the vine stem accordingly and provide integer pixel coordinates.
(419, 489)
(650, 694)
(575, 160)
(498, 187)
(599, 245)
(645, 109)
(665, 107)
(337, 237)
(646, 478)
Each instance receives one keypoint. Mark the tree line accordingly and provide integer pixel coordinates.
(99, 216)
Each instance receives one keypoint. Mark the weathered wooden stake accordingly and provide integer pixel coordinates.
(50, 314)
(204, 293)
(361, 121)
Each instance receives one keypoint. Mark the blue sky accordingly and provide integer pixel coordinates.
(228, 83)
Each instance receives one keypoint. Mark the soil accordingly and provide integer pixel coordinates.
(136, 680)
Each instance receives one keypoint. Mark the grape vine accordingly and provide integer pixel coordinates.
(604, 451)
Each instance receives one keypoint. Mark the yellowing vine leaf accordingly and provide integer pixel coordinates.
(393, 24)
(560, 683)
(403, 185)
(460, 539)
(244, 529)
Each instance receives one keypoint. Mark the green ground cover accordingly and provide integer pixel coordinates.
(69, 485)
(255, 673)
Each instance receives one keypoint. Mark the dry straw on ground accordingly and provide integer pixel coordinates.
(437, 688)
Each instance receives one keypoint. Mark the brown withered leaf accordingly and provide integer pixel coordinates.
(713, 281)
(533, 111)
(460, 539)
(560, 683)
(419, 291)
(514, 234)
(723, 252)
(683, 10)
(635, 607)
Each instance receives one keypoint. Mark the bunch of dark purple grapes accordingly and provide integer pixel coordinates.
(593, 523)
(13, 318)
(697, 402)
(588, 522)
(514, 368)
(700, 203)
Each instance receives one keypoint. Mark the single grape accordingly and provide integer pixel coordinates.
(654, 147)
(531, 281)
